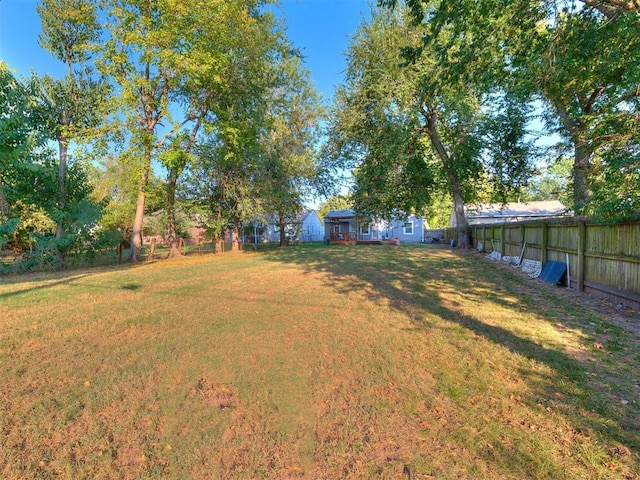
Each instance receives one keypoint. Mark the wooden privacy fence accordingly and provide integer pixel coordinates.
(603, 259)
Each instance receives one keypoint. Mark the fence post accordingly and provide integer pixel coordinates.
(502, 237)
(545, 242)
(484, 237)
(582, 242)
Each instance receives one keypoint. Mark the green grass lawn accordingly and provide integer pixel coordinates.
(312, 363)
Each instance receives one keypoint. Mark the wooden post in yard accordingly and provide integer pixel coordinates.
(582, 242)
(152, 248)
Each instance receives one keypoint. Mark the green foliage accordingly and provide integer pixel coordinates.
(114, 185)
(20, 139)
(335, 202)
(221, 181)
(72, 108)
(289, 167)
(156, 223)
(33, 225)
(255, 155)
(7, 230)
(217, 76)
(581, 59)
(553, 182)
(212, 76)
(29, 182)
(68, 27)
(375, 125)
(415, 129)
(439, 210)
(507, 150)
(615, 186)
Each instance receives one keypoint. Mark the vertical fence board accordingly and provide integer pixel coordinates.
(604, 259)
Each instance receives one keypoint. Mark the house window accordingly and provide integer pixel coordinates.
(335, 228)
(407, 228)
(364, 229)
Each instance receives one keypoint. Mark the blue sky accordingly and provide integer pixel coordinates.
(320, 28)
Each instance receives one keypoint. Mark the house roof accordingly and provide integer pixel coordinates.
(304, 215)
(338, 214)
(484, 212)
(298, 218)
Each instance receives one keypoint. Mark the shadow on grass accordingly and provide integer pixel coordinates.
(430, 281)
(68, 279)
(47, 280)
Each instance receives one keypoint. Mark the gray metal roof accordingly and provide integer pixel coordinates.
(340, 214)
(532, 209)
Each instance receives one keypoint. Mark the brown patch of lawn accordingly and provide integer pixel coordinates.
(314, 363)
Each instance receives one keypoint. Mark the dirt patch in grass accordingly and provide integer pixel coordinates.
(323, 363)
(217, 395)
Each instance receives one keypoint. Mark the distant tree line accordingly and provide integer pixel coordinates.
(203, 107)
(183, 106)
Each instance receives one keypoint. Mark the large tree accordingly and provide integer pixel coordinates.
(16, 130)
(414, 129)
(139, 56)
(586, 68)
(581, 58)
(257, 156)
(74, 105)
(170, 60)
(224, 87)
(292, 125)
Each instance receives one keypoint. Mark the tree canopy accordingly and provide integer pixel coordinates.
(165, 88)
(166, 106)
(411, 129)
(579, 58)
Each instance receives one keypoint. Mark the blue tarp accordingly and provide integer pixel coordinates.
(553, 272)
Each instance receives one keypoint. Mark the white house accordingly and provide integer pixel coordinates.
(312, 227)
(305, 227)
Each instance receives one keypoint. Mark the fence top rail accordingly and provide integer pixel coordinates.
(560, 222)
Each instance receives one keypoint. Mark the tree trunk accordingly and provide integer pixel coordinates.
(152, 249)
(63, 147)
(170, 234)
(174, 250)
(235, 234)
(581, 161)
(219, 235)
(462, 239)
(431, 116)
(283, 235)
(136, 232)
(581, 176)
